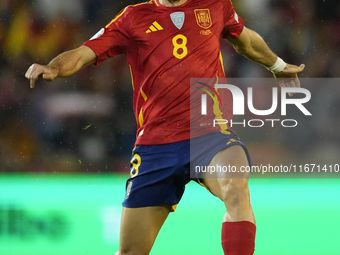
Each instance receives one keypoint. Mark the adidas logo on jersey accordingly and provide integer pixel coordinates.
(154, 27)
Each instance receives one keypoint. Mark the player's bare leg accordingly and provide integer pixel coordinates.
(140, 227)
(238, 229)
(233, 192)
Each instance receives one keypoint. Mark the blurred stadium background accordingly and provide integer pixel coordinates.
(65, 146)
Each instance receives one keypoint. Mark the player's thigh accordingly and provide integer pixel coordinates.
(233, 159)
(139, 228)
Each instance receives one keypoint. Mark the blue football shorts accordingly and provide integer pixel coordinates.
(159, 173)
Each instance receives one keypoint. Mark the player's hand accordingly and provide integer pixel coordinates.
(35, 70)
(288, 77)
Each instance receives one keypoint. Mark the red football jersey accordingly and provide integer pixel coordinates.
(165, 48)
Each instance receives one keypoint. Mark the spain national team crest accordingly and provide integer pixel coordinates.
(203, 18)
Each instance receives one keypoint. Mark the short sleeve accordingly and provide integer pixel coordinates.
(233, 24)
(113, 39)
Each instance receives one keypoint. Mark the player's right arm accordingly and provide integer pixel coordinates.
(110, 41)
(63, 65)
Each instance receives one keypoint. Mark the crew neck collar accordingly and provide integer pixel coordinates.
(169, 7)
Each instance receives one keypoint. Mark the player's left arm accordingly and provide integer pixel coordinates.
(251, 45)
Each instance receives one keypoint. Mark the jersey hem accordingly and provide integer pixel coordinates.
(156, 141)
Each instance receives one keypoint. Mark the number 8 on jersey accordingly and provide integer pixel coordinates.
(182, 45)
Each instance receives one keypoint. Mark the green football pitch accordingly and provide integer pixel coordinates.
(79, 214)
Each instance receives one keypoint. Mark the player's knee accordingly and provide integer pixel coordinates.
(131, 252)
(235, 192)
